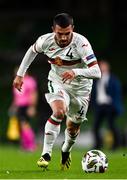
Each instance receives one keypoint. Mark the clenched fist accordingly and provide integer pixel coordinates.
(17, 83)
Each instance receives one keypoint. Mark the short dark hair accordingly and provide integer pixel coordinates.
(63, 20)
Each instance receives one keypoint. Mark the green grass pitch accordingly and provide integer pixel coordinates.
(15, 164)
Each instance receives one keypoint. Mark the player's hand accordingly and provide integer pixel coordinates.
(18, 82)
(68, 76)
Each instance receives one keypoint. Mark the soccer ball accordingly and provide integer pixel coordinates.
(94, 161)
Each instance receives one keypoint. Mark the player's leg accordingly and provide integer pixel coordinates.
(58, 100)
(111, 119)
(27, 135)
(52, 129)
(71, 133)
(77, 112)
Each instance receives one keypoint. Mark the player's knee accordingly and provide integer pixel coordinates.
(59, 114)
(73, 131)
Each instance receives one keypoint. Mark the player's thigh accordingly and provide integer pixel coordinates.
(78, 109)
(57, 97)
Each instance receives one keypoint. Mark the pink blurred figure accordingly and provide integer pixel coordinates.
(25, 104)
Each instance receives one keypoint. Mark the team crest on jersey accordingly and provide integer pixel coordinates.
(58, 61)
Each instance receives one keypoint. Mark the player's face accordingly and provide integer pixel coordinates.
(63, 36)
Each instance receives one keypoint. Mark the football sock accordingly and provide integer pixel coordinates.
(52, 129)
(69, 141)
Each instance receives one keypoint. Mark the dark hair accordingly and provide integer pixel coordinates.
(63, 20)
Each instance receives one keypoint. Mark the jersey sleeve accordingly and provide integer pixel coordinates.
(85, 51)
(38, 45)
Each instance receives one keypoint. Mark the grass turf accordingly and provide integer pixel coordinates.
(16, 164)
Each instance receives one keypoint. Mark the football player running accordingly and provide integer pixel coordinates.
(73, 68)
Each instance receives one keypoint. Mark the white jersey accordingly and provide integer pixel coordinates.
(77, 56)
(78, 49)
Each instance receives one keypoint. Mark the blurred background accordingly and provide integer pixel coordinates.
(103, 22)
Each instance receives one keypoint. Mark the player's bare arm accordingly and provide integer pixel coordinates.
(17, 83)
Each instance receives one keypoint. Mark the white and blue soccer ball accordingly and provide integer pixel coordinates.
(94, 161)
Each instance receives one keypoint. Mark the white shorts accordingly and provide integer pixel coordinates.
(77, 103)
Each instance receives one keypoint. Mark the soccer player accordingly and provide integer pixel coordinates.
(73, 67)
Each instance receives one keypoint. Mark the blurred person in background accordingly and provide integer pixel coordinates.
(73, 68)
(24, 106)
(107, 102)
